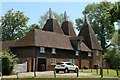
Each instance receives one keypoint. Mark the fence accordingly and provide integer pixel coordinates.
(0, 68)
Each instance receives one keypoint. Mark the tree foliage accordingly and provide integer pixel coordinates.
(58, 17)
(13, 25)
(34, 26)
(99, 19)
(112, 55)
(8, 62)
(115, 12)
(113, 58)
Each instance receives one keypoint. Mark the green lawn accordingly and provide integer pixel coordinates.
(111, 72)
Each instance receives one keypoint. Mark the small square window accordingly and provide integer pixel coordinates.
(71, 60)
(97, 53)
(77, 53)
(53, 51)
(42, 50)
(89, 54)
(53, 61)
(78, 45)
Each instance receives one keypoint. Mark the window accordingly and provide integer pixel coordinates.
(77, 53)
(72, 61)
(53, 61)
(89, 54)
(69, 63)
(97, 53)
(42, 50)
(78, 45)
(53, 51)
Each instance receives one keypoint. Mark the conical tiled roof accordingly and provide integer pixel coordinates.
(52, 26)
(68, 28)
(89, 36)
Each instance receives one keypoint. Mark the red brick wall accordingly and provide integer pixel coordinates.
(51, 67)
(95, 58)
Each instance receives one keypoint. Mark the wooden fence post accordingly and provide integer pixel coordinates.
(117, 72)
(77, 73)
(54, 73)
(101, 72)
(17, 75)
(0, 68)
(34, 65)
(91, 70)
(107, 71)
(97, 71)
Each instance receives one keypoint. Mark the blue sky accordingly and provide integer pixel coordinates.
(35, 9)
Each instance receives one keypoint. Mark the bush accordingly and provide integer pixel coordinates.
(8, 62)
(113, 58)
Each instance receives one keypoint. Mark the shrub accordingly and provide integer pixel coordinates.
(113, 58)
(8, 62)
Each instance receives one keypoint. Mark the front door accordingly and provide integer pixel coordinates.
(41, 64)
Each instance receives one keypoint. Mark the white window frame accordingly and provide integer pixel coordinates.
(53, 51)
(89, 54)
(78, 45)
(77, 53)
(42, 49)
(53, 61)
(97, 53)
(71, 60)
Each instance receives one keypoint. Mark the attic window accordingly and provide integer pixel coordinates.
(97, 53)
(42, 50)
(77, 53)
(89, 54)
(53, 51)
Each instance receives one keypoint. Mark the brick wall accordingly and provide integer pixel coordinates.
(58, 60)
(97, 59)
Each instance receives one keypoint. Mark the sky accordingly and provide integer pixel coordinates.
(34, 8)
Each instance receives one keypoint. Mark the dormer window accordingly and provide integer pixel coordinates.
(53, 51)
(89, 54)
(77, 53)
(42, 50)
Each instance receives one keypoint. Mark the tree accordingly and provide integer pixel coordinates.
(43, 19)
(115, 12)
(113, 58)
(100, 21)
(112, 55)
(34, 26)
(8, 62)
(13, 25)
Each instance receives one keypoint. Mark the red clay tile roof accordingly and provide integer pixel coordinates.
(68, 28)
(5, 45)
(45, 39)
(84, 48)
(52, 26)
(89, 36)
